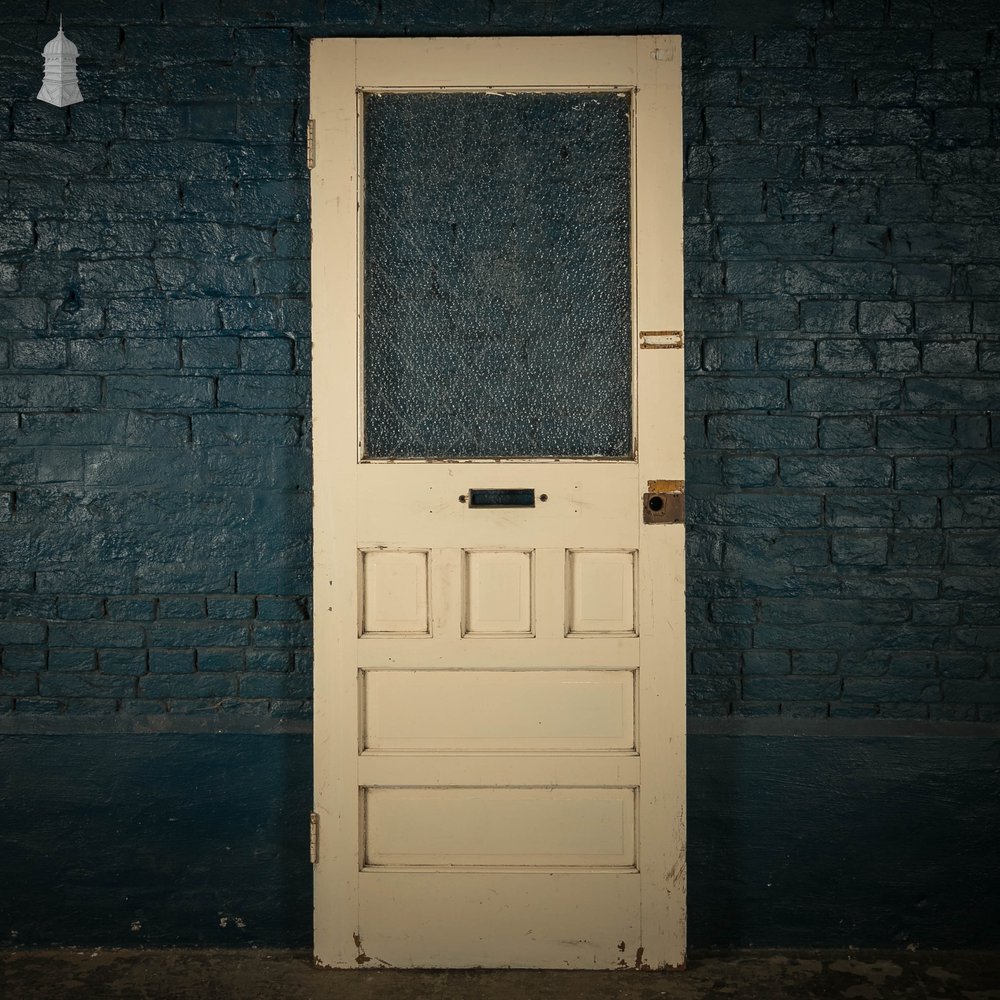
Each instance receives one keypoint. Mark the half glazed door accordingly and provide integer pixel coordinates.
(498, 412)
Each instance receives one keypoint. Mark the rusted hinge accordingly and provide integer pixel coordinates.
(313, 838)
(311, 143)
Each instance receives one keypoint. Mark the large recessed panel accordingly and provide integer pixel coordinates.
(600, 598)
(497, 275)
(498, 593)
(498, 710)
(394, 593)
(500, 827)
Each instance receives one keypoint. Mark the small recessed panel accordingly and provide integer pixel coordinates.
(394, 593)
(498, 710)
(498, 593)
(500, 827)
(600, 595)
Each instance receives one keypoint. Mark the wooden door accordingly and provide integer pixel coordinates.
(498, 440)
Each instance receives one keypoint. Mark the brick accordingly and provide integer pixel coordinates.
(847, 432)
(729, 354)
(171, 661)
(949, 393)
(825, 316)
(971, 511)
(950, 357)
(858, 512)
(735, 199)
(749, 471)
(924, 548)
(949, 318)
(814, 662)
(791, 688)
(40, 392)
(913, 432)
(213, 353)
(267, 354)
(160, 391)
(921, 474)
(197, 685)
(785, 240)
(769, 662)
(787, 355)
(80, 685)
(845, 356)
(962, 666)
(840, 472)
(844, 200)
(778, 86)
(709, 688)
(80, 608)
(180, 607)
(771, 314)
(23, 658)
(290, 685)
(13, 633)
(121, 661)
(860, 550)
(885, 319)
(845, 394)
(224, 660)
(230, 607)
(190, 634)
(975, 692)
(727, 393)
(95, 634)
(263, 392)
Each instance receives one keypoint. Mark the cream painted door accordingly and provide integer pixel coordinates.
(499, 631)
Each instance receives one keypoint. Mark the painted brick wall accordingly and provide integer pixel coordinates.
(843, 269)
(843, 266)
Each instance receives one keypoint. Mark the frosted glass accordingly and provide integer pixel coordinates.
(497, 275)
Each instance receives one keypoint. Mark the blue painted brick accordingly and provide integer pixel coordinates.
(230, 607)
(224, 660)
(774, 688)
(719, 662)
(180, 607)
(840, 472)
(814, 662)
(847, 432)
(80, 608)
(23, 658)
(121, 661)
(198, 685)
(845, 394)
(860, 550)
(79, 685)
(13, 633)
(922, 474)
(727, 393)
(769, 662)
(764, 431)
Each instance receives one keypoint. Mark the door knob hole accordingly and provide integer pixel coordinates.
(656, 504)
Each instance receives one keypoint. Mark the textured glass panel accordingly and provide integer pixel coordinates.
(497, 275)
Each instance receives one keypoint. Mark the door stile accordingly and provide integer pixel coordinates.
(660, 307)
(335, 298)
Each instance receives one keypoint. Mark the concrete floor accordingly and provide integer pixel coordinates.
(261, 975)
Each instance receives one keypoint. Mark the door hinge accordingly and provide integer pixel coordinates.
(313, 838)
(311, 143)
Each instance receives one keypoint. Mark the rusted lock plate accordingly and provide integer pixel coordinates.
(663, 508)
